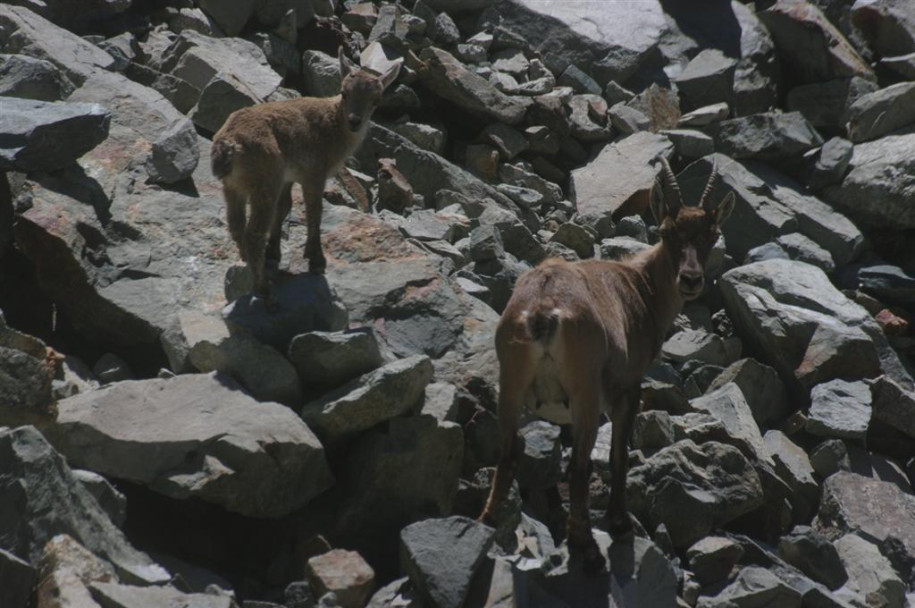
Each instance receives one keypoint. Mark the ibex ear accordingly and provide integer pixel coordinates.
(724, 209)
(656, 203)
(390, 75)
(346, 66)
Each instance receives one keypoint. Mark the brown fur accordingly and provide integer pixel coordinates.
(587, 331)
(262, 150)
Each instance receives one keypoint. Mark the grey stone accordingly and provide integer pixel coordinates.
(793, 466)
(441, 401)
(577, 237)
(754, 586)
(814, 47)
(578, 80)
(321, 74)
(527, 198)
(231, 18)
(728, 405)
(522, 175)
(708, 78)
(825, 104)
(712, 558)
(881, 112)
(760, 385)
(114, 595)
(112, 368)
(330, 359)
(831, 163)
(839, 409)
(902, 65)
(619, 248)
(652, 430)
(704, 116)
(175, 155)
(870, 574)
(509, 141)
(46, 136)
(344, 574)
(17, 578)
(398, 592)
(109, 498)
(25, 388)
(22, 31)
(627, 120)
(887, 282)
(813, 554)
(223, 94)
(892, 404)
(30, 78)
(691, 489)
(757, 73)
(701, 345)
(888, 26)
(767, 251)
(516, 237)
(392, 390)
(185, 437)
(771, 136)
(423, 136)
(539, 467)
(485, 243)
(37, 482)
(443, 556)
(801, 248)
(690, 143)
(876, 191)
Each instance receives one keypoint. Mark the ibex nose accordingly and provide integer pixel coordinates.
(355, 122)
(691, 281)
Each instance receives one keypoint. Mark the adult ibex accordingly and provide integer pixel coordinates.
(576, 338)
(261, 150)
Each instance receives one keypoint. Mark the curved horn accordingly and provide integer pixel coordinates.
(672, 198)
(713, 178)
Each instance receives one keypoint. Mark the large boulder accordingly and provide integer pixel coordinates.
(754, 586)
(804, 327)
(116, 595)
(196, 436)
(888, 26)
(778, 137)
(42, 499)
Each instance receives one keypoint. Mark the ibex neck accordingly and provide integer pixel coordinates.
(659, 267)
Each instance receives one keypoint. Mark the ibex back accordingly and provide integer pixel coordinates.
(262, 150)
(576, 338)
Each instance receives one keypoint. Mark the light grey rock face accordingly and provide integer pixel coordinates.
(793, 466)
(887, 282)
(761, 387)
(330, 359)
(691, 489)
(801, 248)
(442, 556)
(878, 188)
(758, 67)
(389, 391)
(881, 112)
(831, 163)
(30, 78)
(109, 498)
(38, 486)
(25, 387)
(66, 568)
(754, 586)
(804, 327)
(813, 554)
(708, 78)
(893, 405)
(22, 31)
(870, 574)
(701, 345)
(539, 467)
(115, 595)
(45, 136)
(196, 436)
(728, 405)
(840, 409)
(776, 137)
(825, 104)
(344, 574)
(175, 154)
(712, 558)
(888, 26)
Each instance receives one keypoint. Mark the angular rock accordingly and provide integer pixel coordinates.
(343, 573)
(825, 104)
(801, 248)
(757, 70)
(175, 155)
(793, 466)
(618, 181)
(66, 569)
(892, 404)
(708, 78)
(330, 359)
(37, 485)
(887, 282)
(515, 236)
(813, 554)
(831, 163)
(389, 391)
(728, 405)
(829, 457)
(486, 243)
(321, 74)
(30, 78)
(446, 77)
(705, 116)
(876, 191)
(712, 558)
(888, 26)
(231, 17)
(701, 345)
(25, 388)
(760, 385)
(114, 595)
(196, 436)
(539, 467)
(816, 49)
(576, 237)
(441, 401)
(881, 112)
(44, 136)
(652, 430)
(17, 578)
(690, 143)
(109, 498)
(223, 94)
(442, 556)
(772, 136)
(839, 409)
(870, 574)
(692, 489)
(754, 586)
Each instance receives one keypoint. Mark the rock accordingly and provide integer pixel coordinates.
(111, 368)
(427, 137)
(728, 405)
(485, 243)
(620, 248)
(441, 401)
(870, 574)
(704, 116)
(36, 482)
(652, 430)
(876, 190)
(204, 443)
(831, 163)
(578, 81)
(813, 554)
(892, 404)
(17, 578)
(628, 120)
(887, 282)
(874, 509)
(397, 475)
(618, 181)
(516, 237)
(41, 136)
(690, 143)
(801, 248)
(343, 573)
(761, 387)
(331, 359)
(829, 457)
(708, 78)
(264, 373)
(398, 592)
(808, 350)
(757, 69)
(902, 65)
(389, 391)
(29, 78)
(109, 498)
(509, 141)
(25, 32)
(66, 568)
(539, 467)
(114, 595)
(304, 303)
(445, 76)
(770, 137)
(839, 409)
(825, 104)
(576, 237)
(881, 112)
(816, 49)
(174, 155)
(701, 345)
(442, 556)
(691, 489)
(712, 558)
(230, 18)
(888, 26)
(223, 94)
(793, 466)
(321, 74)
(25, 388)
(754, 586)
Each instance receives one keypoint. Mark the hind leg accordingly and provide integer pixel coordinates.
(236, 217)
(263, 210)
(584, 404)
(622, 414)
(283, 205)
(313, 193)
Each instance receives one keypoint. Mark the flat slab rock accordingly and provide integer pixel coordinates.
(198, 436)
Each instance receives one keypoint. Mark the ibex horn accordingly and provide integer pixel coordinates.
(705, 201)
(672, 199)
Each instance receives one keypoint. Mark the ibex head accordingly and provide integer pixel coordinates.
(361, 91)
(688, 232)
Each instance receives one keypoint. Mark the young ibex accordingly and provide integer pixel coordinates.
(576, 338)
(261, 150)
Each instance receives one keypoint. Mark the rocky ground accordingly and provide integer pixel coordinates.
(165, 441)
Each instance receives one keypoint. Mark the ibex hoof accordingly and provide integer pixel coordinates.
(621, 529)
(589, 556)
(317, 266)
